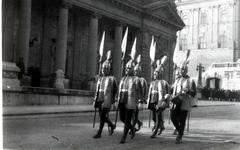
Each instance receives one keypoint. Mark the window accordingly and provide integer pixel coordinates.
(185, 19)
(183, 44)
(203, 18)
(223, 16)
(222, 41)
(202, 42)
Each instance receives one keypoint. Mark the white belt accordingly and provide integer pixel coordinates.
(124, 90)
(153, 91)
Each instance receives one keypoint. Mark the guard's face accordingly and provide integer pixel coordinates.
(157, 75)
(136, 72)
(129, 70)
(184, 71)
(105, 70)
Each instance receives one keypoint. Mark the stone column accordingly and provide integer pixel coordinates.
(195, 28)
(8, 31)
(117, 52)
(92, 60)
(62, 35)
(237, 32)
(24, 31)
(215, 26)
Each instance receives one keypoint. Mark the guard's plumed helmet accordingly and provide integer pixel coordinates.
(130, 64)
(160, 64)
(138, 66)
(183, 64)
(107, 62)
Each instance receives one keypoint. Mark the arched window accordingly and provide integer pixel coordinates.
(202, 42)
(222, 41)
(203, 18)
(223, 16)
(183, 43)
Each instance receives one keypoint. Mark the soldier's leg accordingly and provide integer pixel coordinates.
(153, 109)
(122, 113)
(175, 115)
(135, 116)
(161, 122)
(182, 120)
(127, 125)
(102, 120)
(157, 125)
(108, 121)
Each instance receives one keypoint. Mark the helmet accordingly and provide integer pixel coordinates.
(183, 64)
(138, 66)
(160, 64)
(107, 63)
(130, 64)
(159, 67)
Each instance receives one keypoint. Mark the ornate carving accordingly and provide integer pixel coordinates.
(83, 19)
(70, 21)
(162, 45)
(53, 12)
(195, 9)
(120, 24)
(96, 15)
(66, 4)
(9, 74)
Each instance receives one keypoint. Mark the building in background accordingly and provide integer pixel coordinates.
(212, 33)
(64, 36)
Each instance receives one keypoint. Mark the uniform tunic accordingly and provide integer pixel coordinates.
(130, 91)
(106, 89)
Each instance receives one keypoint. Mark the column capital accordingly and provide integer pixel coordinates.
(215, 7)
(96, 15)
(196, 9)
(120, 24)
(66, 4)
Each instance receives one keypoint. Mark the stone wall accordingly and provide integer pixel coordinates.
(46, 96)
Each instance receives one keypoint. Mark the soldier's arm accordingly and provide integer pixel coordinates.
(193, 89)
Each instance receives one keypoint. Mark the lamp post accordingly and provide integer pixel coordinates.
(200, 70)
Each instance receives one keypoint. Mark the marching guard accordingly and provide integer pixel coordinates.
(137, 72)
(105, 96)
(128, 96)
(182, 97)
(158, 97)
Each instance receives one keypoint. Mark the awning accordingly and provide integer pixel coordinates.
(211, 74)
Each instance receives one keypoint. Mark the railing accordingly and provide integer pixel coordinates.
(226, 65)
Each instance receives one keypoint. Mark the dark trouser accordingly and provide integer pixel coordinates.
(135, 119)
(103, 112)
(179, 117)
(126, 116)
(159, 121)
(153, 109)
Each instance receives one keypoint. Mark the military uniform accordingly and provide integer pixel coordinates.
(142, 97)
(129, 91)
(105, 97)
(158, 99)
(182, 91)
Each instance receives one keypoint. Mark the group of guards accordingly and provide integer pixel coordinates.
(131, 93)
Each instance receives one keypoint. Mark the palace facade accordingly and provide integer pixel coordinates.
(53, 35)
(212, 32)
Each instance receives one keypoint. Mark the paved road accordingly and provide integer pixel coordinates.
(211, 127)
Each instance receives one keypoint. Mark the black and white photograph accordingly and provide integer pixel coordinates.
(120, 75)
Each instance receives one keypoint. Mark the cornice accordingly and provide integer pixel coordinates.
(136, 9)
(202, 3)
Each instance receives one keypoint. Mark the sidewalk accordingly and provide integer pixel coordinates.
(60, 109)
